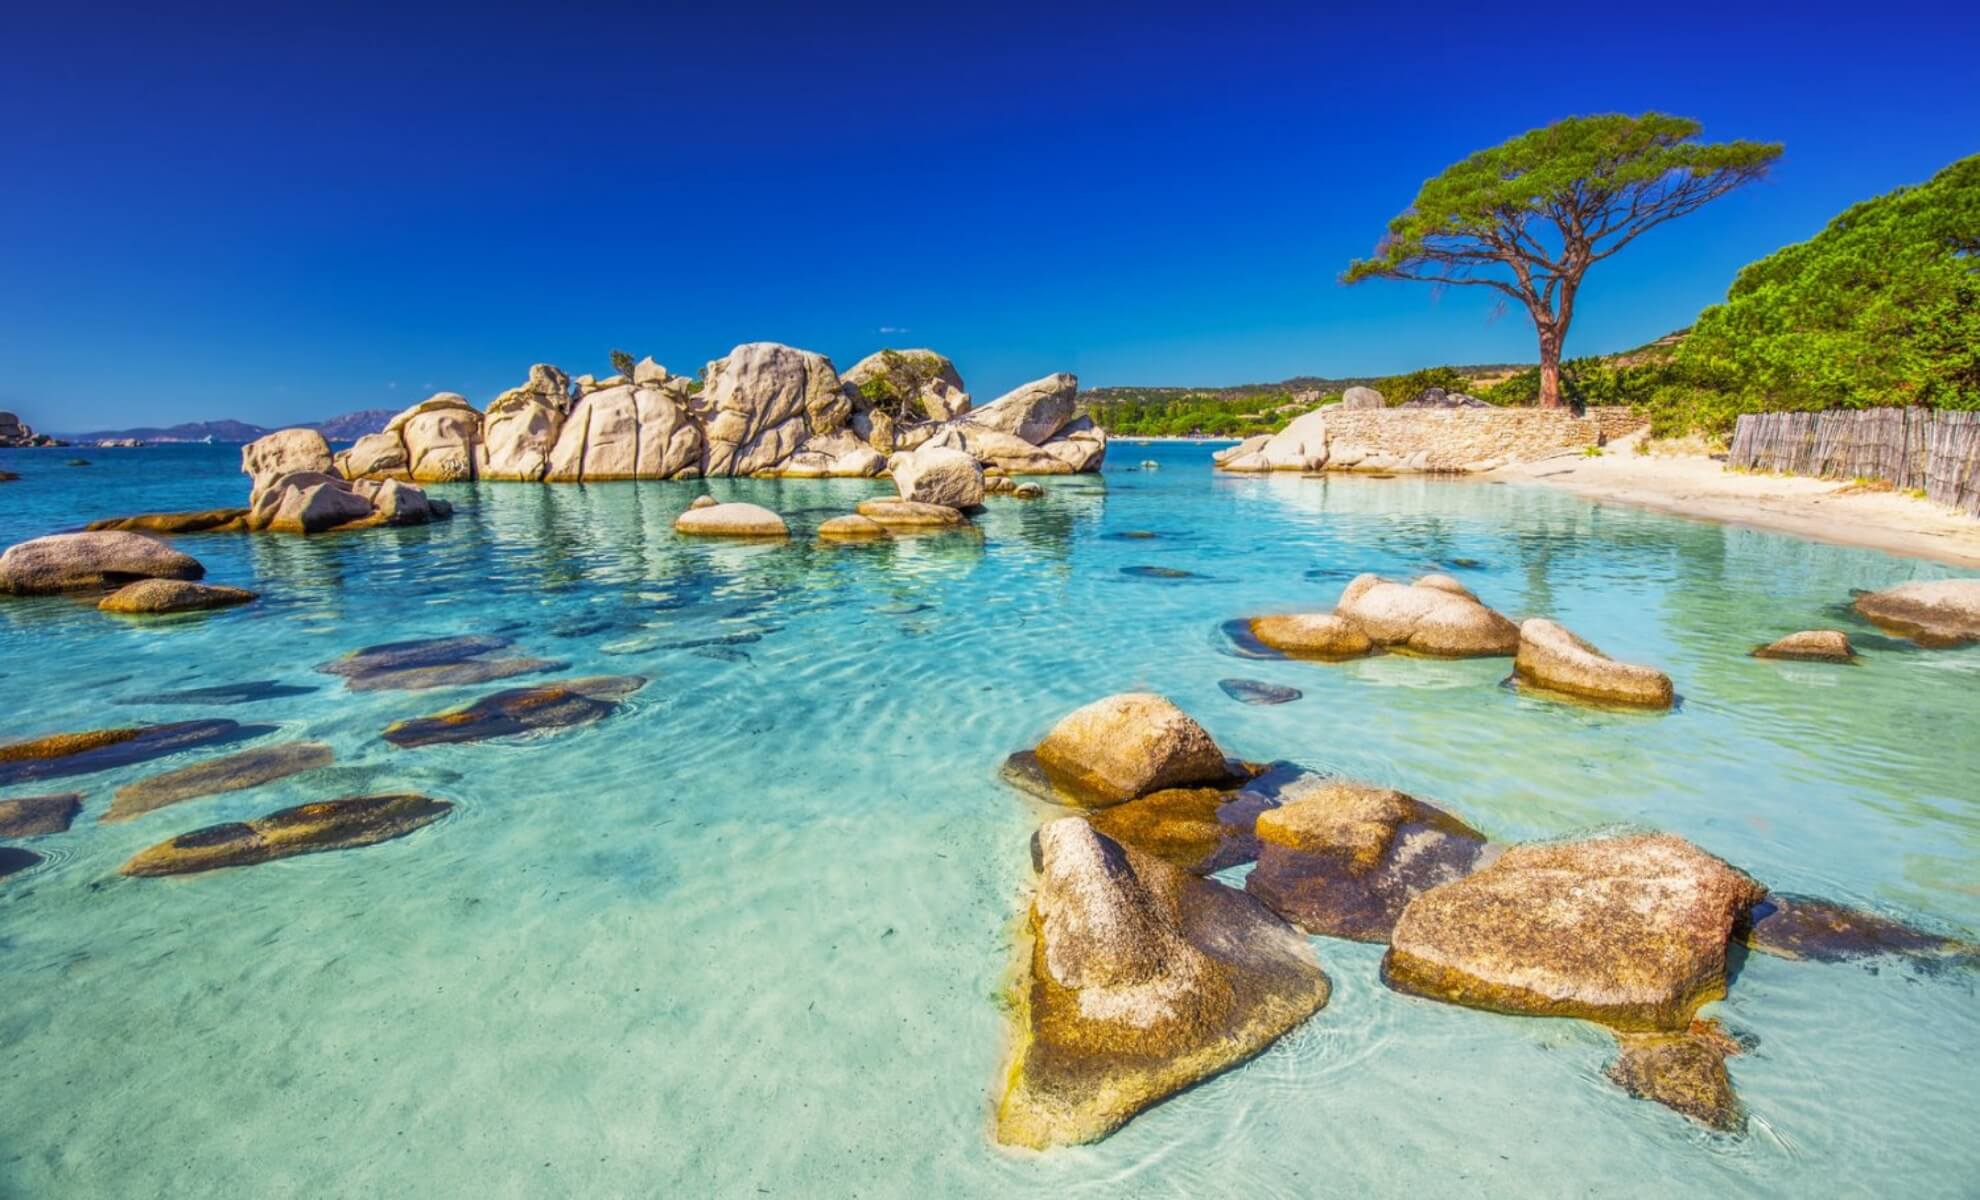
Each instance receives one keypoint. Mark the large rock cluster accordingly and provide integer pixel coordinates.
(1138, 976)
(1436, 616)
(765, 409)
(299, 487)
(14, 434)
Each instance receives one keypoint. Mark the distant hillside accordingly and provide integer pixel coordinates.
(352, 426)
(347, 428)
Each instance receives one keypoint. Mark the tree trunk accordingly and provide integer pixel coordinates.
(1550, 369)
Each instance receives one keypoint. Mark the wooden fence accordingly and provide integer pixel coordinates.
(1913, 448)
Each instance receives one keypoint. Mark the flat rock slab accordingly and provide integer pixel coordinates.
(63, 754)
(1628, 930)
(232, 773)
(1937, 613)
(251, 692)
(165, 596)
(731, 520)
(521, 710)
(1344, 858)
(304, 829)
(1138, 980)
(1804, 927)
(32, 816)
(1684, 1072)
(13, 859)
(422, 652)
(73, 562)
(212, 520)
(911, 514)
(1256, 691)
(1810, 645)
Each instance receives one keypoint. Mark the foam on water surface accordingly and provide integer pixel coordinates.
(746, 934)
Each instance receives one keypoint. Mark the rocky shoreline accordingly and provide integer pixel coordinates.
(764, 410)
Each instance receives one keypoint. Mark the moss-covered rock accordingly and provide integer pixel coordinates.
(159, 597)
(1810, 645)
(58, 755)
(1345, 858)
(521, 710)
(212, 520)
(1138, 979)
(1805, 927)
(304, 829)
(1627, 930)
(1685, 1072)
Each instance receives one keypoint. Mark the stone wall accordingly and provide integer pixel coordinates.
(1618, 420)
(1455, 438)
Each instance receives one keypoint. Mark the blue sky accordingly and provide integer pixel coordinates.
(276, 213)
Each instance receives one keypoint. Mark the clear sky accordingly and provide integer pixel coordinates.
(280, 213)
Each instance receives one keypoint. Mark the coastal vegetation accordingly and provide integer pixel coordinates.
(1529, 217)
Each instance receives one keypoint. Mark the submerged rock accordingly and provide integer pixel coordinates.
(1552, 658)
(159, 596)
(452, 674)
(1941, 612)
(250, 692)
(233, 773)
(1125, 746)
(407, 655)
(1804, 927)
(13, 859)
(1814, 645)
(32, 816)
(1257, 691)
(1685, 1072)
(732, 520)
(520, 710)
(911, 514)
(1627, 930)
(304, 829)
(1139, 980)
(74, 562)
(1344, 858)
(1436, 615)
(212, 520)
(1203, 829)
(63, 754)
(1323, 636)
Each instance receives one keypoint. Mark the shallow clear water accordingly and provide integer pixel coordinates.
(746, 937)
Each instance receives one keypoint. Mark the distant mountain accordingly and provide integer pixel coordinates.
(347, 428)
(352, 426)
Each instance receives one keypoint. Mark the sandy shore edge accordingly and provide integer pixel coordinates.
(1824, 510)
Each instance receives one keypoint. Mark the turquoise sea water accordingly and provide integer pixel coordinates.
(746, 936)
